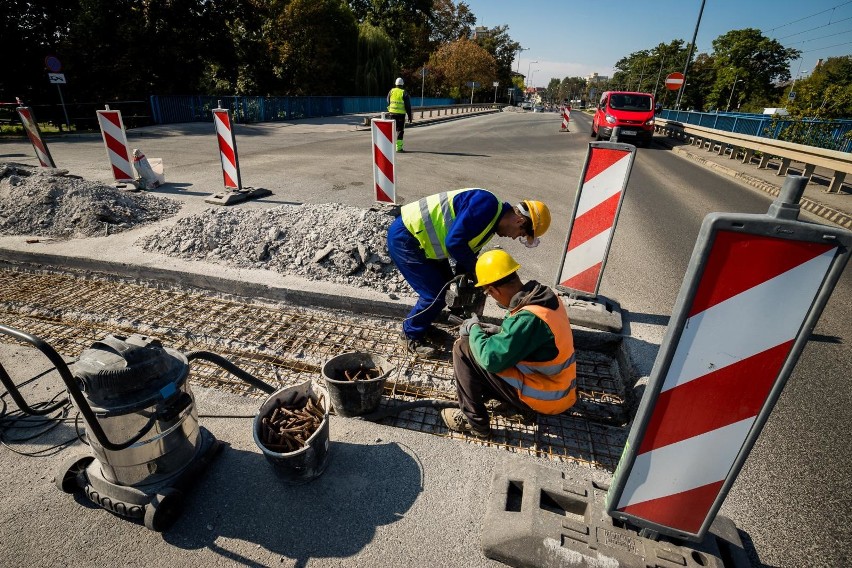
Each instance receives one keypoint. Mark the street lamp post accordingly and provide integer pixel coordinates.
(733, 87)
(520, 49)
(528, 68)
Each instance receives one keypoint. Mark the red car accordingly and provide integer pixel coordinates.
(633, 113)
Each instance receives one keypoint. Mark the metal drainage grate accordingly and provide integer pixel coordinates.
(284, 346)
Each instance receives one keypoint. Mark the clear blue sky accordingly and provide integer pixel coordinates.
(579, 38)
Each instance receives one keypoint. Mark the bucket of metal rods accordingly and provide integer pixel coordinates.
(355, 382)
(291, 429)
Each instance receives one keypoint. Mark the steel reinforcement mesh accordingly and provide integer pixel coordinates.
(285, 345)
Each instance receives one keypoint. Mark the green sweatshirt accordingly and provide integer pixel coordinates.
(523, 336)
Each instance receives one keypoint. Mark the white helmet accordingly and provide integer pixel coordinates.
(399, 82)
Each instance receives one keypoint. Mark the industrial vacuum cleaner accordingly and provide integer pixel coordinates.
(140, 420)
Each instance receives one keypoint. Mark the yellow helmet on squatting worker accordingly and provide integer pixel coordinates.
(493, 266)
(538, 213)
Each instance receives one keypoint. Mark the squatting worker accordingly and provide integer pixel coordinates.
(527, 362)
(455, 224)
(399, 105)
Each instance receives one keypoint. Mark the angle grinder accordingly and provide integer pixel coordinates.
(463, 299)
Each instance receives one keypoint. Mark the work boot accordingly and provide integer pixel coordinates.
(417, 347)
(438, 336)
(507, 410)
(457, 422)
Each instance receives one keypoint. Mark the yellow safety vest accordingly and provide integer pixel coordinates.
(549, 387)
(431, 218)
(397, 102)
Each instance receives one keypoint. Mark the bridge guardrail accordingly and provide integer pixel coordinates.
(838, 162)
(447, 110)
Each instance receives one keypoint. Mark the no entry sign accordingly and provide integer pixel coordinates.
(674, 81)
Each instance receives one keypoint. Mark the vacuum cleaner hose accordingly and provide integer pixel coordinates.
(231, 368)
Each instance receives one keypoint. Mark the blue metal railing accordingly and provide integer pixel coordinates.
(829, 134)
(174, 109)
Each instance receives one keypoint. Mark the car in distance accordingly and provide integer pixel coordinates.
(632, 112)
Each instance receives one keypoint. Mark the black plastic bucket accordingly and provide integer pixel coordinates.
(309, 462)
(354, 398)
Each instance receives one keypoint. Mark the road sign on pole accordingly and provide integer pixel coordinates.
(674, 81)
(754, 290)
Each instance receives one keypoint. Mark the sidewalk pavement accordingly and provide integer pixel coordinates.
(833, 207)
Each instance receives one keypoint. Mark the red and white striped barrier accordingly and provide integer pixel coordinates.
(596, 209)
(384, 151)
(34, 134)
(115, 140)
(743, 316)
(566, 117)
(227, 149)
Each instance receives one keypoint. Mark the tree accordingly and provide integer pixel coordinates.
(315, 46)
(374, 73)
(572, 88)
(551, 91)
(502, 48)
(450, 22)
(459, 62)
(29, 32)
(759, 62)
(406, 22)
(826, 93)
(700, 81)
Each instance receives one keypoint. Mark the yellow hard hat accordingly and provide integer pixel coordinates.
(494, 265)
(539, 214)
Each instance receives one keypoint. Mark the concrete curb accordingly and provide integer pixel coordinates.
(835, 216)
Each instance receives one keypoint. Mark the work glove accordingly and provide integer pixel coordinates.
(467, 325)
(490, 328)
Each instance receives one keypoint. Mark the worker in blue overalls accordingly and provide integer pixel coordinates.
(455, 224)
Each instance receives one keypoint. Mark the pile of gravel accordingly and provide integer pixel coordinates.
(45, 202)
(331, 242)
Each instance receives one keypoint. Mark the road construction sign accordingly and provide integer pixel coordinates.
(596, 207)
(753, 292)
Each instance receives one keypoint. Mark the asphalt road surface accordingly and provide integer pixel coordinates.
(792, 499)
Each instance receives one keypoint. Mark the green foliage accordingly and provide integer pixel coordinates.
(572, 88)
(750, 65)
(826, 93)
(450, 22)
(314, 47)
(502, 48)
(131, 49)
(406, 22)
(374, 71)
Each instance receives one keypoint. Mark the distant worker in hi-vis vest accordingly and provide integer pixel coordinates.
(399, 104)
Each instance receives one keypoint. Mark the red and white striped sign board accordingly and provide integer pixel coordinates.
(566, 117)
(593, 221)
(115, 140)
(674, 81)
(384, 170)
(34, 134)
(227, 149)
(744, 313)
